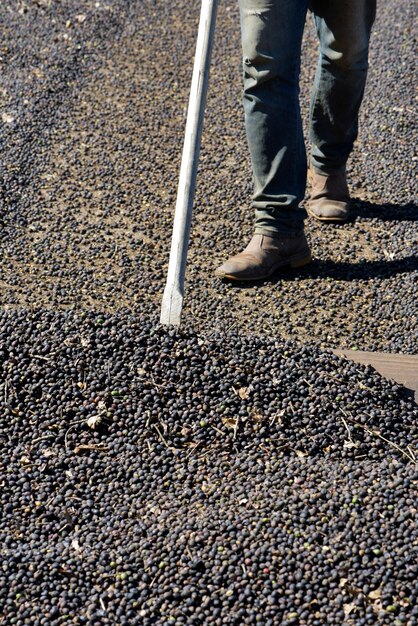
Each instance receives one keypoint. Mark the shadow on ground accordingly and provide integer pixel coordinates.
(386, 212)
(341, 270)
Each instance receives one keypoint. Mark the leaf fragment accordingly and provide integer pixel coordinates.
(243, 393)
(230, 422)
(93, 421)
(7, 118)
(375, 594)
(348, 608)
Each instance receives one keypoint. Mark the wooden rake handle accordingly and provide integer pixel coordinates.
(172, 303)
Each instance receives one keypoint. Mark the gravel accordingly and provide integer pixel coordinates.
(237, 472)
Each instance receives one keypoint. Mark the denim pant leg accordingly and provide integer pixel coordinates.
(271, 41)
(343, 29)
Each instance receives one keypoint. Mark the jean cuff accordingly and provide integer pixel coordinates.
(273, 232)
(323, 170)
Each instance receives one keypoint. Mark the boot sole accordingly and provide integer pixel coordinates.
(339, 220)
(292, 263)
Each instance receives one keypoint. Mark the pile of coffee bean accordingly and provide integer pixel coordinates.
(156, 477)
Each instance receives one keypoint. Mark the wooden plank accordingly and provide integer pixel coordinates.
(401, 368)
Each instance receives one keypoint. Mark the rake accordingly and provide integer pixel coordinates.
(172, 303)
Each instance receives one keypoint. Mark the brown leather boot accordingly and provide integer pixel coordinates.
(329, 200)
(263, 255)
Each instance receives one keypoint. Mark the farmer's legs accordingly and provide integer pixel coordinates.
(344, 32)
(271, 42)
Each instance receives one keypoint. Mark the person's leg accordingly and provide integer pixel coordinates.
(343, 28)
(271, 44)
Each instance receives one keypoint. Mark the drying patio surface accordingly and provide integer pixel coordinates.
(238, 471)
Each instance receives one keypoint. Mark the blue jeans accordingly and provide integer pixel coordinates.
(271, 41)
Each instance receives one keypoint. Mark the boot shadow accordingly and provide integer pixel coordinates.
(386, 212)
(322, 269)
(365, 270)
